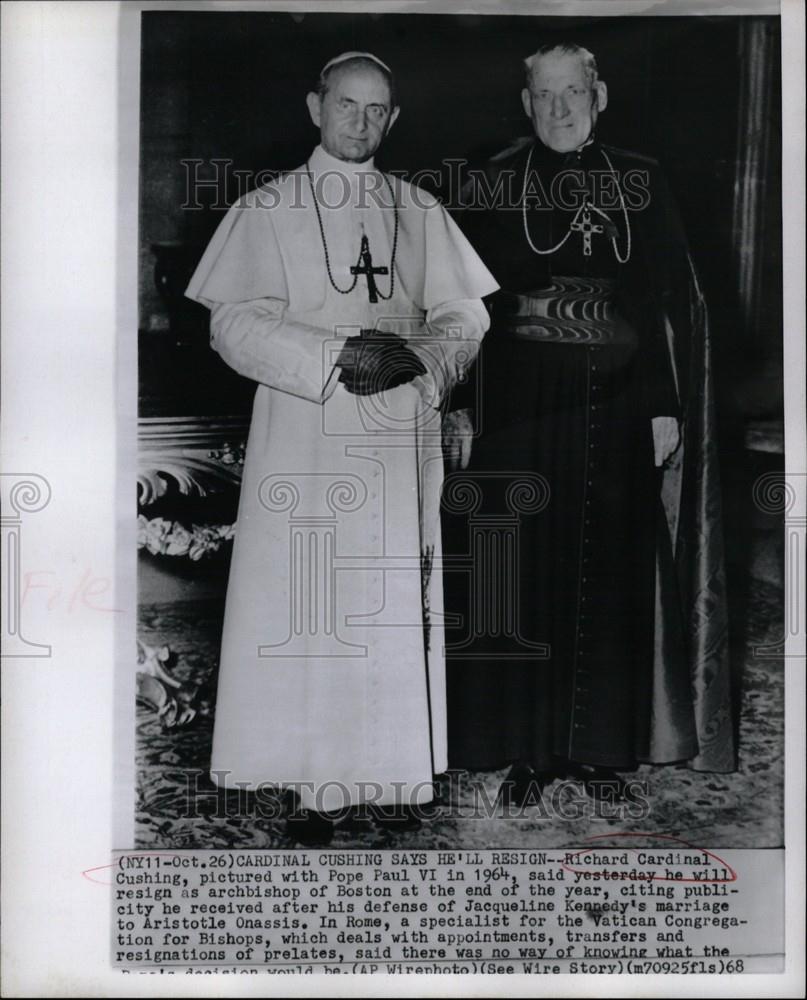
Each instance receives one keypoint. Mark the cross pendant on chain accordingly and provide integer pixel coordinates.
(366, 268)
(586, 227)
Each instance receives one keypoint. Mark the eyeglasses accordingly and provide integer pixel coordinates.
(572, 96)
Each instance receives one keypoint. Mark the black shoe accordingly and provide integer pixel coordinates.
(522, 787)
(440, 801)
(601, 783)
(310, 828)
(399, 819)
(431, 810)
(354, 819)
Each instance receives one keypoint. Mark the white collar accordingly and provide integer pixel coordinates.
(322, 162)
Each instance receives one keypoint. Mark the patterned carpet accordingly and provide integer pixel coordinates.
(178, 807)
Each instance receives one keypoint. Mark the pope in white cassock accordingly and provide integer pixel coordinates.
(355, 303)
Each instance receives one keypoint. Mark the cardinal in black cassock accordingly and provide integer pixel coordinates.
(584, 537)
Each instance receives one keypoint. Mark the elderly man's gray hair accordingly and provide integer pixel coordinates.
(571, 48)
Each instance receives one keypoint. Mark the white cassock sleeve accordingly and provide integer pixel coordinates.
(259, 341)
(452, 282)
(452, 335)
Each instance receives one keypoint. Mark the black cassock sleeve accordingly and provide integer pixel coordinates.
(656, 299)
(659, 388)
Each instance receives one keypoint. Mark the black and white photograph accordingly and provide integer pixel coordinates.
(460, 508)
(403, 492)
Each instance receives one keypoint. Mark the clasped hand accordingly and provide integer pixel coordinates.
(375, 361)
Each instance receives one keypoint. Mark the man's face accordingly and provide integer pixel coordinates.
(560, 101)
(355, 114)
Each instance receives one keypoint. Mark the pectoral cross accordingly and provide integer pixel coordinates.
(586, 227)
(367, 268)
